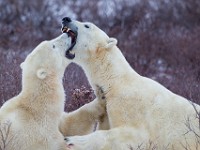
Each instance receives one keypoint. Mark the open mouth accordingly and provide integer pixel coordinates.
(73, 34)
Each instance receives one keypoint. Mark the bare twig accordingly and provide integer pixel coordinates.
(5, 138)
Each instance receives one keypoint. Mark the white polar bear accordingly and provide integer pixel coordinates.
(31, 120)
(142, 114)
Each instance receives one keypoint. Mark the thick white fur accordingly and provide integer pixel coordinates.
(35, 113)
(31, 120)
(141, 112)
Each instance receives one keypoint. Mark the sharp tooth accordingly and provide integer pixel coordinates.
(64, 30)
(68, 29)
(71, 52)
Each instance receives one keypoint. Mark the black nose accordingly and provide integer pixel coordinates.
(66, 20)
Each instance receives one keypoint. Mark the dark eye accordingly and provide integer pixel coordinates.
(86, 26)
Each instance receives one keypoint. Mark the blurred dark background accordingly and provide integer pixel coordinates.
(159, 38)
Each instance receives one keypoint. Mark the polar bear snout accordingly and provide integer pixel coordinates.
(69, 27)
(66, 19)
(66, 139)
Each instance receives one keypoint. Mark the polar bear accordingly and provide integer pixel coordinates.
(32, 119)
(142, 114)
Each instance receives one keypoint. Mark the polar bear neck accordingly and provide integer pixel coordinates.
(108, 70)
(44, 93)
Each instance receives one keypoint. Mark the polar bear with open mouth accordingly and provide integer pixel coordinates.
(142, 114)
(35, 119)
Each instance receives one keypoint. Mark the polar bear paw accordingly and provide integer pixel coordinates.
(77, 143)
(100, 94)
(101, 97)
(94, 141)
(99, 104)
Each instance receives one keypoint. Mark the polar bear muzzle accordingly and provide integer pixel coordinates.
(71, 30)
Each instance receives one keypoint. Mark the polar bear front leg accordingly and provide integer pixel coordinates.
(121, 138)
(82, 121)
(94, 141)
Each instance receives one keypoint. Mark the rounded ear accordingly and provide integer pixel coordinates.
(41, 73)
(111, 42)
(22, 65)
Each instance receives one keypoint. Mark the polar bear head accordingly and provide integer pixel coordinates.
(47, 59)
(88, 40)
